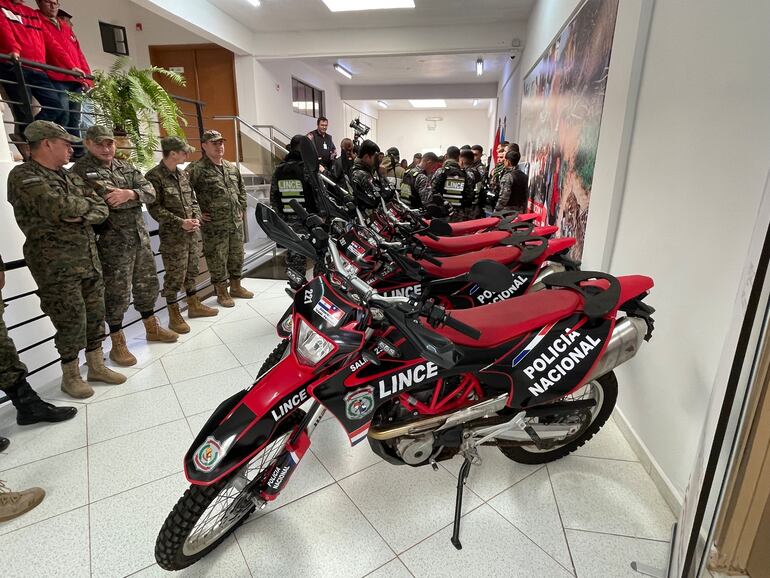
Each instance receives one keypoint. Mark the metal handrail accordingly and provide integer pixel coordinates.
(237, 120)
(44, 66)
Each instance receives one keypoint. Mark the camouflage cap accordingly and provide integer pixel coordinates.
(98, 133)
(212, 136)
(175, 143)
(43, 129)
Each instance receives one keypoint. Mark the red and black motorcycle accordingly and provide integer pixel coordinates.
(532, 376)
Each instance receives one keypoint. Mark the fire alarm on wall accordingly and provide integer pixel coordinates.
(138, 26)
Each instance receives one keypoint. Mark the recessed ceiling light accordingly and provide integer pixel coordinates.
(475, 102)
(255, 3)
(343, 71)
(428, 103)
(354, 5)
(382, 103)
(479, 67)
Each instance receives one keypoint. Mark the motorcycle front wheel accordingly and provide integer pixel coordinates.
(604, 391)
(205, 515)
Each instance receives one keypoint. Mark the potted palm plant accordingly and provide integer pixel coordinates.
(131, 101)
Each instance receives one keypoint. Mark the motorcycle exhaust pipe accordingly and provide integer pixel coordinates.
(626, 338)
(624, 344)
(549, 269)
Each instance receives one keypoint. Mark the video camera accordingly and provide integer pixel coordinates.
(359, 130)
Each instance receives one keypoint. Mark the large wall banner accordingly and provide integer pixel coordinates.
(561, 112)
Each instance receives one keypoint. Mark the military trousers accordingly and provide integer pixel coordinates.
(12, 369)
(223, 247)
(181, 255)
(128, 267)
(76, 309)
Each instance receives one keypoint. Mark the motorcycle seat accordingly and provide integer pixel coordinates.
(464, 244)
(502, 321)
(473, 226)
(459, 264)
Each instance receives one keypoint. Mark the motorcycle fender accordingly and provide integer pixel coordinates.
(243, 424)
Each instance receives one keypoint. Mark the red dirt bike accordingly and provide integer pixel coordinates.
(532, 376)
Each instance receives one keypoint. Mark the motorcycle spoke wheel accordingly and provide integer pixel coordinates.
(233, 502)
(604, 390)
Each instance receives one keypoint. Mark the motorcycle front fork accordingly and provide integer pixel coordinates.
(295, 448)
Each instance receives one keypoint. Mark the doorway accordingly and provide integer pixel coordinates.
(210, 74)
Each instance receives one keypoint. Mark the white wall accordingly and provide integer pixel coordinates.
(698, 159)
(265, 96)
(408, 130)
(156, 30)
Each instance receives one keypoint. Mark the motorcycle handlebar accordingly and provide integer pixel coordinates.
(471, 332)
(299, 209)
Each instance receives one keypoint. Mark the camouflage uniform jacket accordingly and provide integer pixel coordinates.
(497, 173)
(422, 185)
(364, 182)
(506, 181)
(55, 249)
(126, 218)
(175, 199)
(220, 190)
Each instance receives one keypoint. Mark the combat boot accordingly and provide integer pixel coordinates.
(31, 409)
(195, 308)
(97, 371)
(14, 504)
(155, 332)
(71, 382)
(176, 322)
(223, 297)
(119, 352)
(237, 291)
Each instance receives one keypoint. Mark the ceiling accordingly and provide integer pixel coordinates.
(297, 15)
(422, 69)
(451, 103)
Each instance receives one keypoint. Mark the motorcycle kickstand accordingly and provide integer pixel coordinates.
(461, 478)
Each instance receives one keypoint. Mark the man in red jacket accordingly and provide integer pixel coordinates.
(59, 29)
(22, 36)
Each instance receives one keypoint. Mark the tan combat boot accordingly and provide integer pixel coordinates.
(155, 332)
(197, 309)
(71, 382)
(223, 297)
(237, 291)
(14, 504)
(119, 352)
(176, 322)
(97, 371)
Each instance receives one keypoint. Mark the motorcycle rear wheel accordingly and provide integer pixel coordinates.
(188, 534)
(606, 395)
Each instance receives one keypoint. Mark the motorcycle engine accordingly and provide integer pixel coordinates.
(415, 450)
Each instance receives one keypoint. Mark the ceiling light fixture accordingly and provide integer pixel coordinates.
(255, 3)
(479, 67)
(343, 71)
(382, 103)
(428, 103)
(355, 5)
(475, 102)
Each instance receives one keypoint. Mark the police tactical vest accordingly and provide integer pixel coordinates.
(454, 185)
(290, 189)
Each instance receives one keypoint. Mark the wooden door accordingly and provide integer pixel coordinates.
(210, 74)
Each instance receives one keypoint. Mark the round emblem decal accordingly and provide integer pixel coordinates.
(207, 455)
(359, 403)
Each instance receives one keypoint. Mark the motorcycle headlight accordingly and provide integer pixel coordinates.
(311, 347)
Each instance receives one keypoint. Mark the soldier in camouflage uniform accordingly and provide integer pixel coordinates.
(513, 185)
(480, 174)
(56, 211)
(470, 199)
(289, 183)
(124, 242)
(221, 195)
(178, 215)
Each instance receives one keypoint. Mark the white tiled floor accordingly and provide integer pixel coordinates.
(113, 473)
